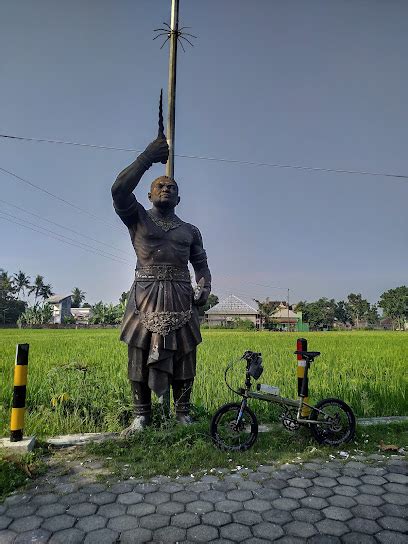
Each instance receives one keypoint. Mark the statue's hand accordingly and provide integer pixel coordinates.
(202, 296)
(158, 150)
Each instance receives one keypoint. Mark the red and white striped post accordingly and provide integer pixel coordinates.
(301, 345)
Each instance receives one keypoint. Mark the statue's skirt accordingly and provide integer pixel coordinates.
(154, 357)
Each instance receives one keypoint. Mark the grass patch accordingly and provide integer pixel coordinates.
(17, 470)
(174, 450)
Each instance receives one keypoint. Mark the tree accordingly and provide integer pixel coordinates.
(46, 291)
(394, 303)
(7, 287)
(342, 313)
(211, 301)
(372, 315)
(124, 297)
(266, 309)
(358, 307)
(319, 314)
(21, 282)
(77, 297)
(37, 286)
(36, 315)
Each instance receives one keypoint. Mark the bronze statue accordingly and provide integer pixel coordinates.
(160, 325)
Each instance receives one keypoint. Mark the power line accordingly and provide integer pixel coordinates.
(218, 159)
(63, 227)
(60, 237)
(78, 208)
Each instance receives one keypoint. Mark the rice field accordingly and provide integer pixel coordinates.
(78, 378)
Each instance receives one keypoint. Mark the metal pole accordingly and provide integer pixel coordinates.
(288, 313)
(171, 97)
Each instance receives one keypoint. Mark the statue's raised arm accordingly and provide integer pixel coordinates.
(128, 179)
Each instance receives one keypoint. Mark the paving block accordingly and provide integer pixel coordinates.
(154, 521)
(39, 536)
(185, 520)
(136, 535)
(111, 510)
(303, 483)
(389, 537)
(142, 509)
(373, 479)
(268, 531)
(332, 527)
(105, 497)
(397, 478)
(396, 498)
(50, 510)
(293, 493)
(257, 505)
(358, 538)
(45, 498)
(101, 536)
(363, 525)
(277, 516)
(366, 511)
(130, 498)
(123, 523)
(228, 506)
(369, 500)
(73, 498)
(319, 491)
(27, 523)
(91, 523)
(246, 517)
(211, 496)
(240, 495)
(394, 524)
(170, 508)
(58, 523)
(186, 496)
(218, 519)
(202, 533)
(82, 509)
(324, 481)
(200, 507)
(70, 536)
(157, 497)
(285, 504)
(300, 528)
(236, 532)
(169, 534)
(336, 512)
(309, 515)
(5, 522)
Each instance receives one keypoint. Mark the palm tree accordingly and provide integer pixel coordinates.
(77, 297)
(21, 282)
(46, 291)
(7, 288)
(37, 286)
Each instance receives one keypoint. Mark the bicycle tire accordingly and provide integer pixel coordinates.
(343, 427)
(228, 438)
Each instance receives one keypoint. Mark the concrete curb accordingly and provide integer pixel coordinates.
(64, 441)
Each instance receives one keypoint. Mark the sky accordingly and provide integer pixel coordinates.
(318, 83)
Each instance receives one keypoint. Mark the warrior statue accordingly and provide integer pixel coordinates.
(160, 324)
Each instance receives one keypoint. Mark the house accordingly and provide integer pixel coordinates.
(61, 307)
(230, 309)
(283, 318)
(82, 315)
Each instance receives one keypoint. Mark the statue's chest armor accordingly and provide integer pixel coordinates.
(155, 245)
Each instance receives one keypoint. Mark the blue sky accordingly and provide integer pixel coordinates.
(312, 83)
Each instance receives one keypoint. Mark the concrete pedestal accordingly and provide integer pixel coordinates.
(23, 446)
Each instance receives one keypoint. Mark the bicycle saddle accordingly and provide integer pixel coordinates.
(310, 355)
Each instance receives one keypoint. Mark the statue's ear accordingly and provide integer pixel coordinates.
(149, 196)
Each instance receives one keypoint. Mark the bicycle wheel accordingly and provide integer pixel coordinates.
(227, 434)
(336, 422)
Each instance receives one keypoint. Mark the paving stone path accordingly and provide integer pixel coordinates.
(358, 501)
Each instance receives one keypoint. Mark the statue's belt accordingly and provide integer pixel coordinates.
(164, 272)
(163, 322)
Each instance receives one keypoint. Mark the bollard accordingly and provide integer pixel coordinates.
(301, 345)
(19, 393)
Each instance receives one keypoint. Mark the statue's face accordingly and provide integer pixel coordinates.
(164, 193)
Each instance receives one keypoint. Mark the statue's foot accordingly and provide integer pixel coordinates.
(184, 419)
(137, 425)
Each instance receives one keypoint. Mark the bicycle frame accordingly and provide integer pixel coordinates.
(246, 393)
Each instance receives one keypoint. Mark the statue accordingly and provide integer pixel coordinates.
(160, 325)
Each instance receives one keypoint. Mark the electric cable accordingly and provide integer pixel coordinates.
(218, 159)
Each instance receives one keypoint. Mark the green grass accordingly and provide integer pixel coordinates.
(188, 450)
(78, 378)
(17, 470)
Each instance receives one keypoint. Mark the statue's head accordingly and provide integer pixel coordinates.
(164, 193)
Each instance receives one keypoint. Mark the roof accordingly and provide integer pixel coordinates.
(232, 305)
(282, 312)
(55, 299)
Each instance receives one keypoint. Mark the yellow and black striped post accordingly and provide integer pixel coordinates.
(19, 393)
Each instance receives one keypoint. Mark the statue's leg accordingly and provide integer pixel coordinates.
(142, 408)
(181, 394)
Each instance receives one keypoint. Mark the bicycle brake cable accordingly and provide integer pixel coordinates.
(229, 367)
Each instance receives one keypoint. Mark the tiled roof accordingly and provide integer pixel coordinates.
(232, 305)
(55, 299)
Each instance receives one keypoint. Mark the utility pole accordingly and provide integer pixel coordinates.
(288, 312)
(171, 95)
